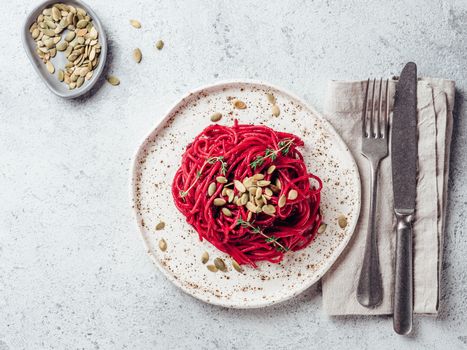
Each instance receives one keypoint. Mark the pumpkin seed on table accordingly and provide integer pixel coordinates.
(113, 80)
(160, 226)
(219, 263)
(159, 44)
(137, 55)
(216, 117)
(342, 221)
(204, 257)
(135, 24)
(162, 244)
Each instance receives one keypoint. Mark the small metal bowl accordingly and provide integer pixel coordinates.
(51, 80)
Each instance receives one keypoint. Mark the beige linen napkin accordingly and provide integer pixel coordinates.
(344, 101)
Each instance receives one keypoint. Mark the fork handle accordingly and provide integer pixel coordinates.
(403, 288)
(370, 284)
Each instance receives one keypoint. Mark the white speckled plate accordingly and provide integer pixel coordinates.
(159, 157)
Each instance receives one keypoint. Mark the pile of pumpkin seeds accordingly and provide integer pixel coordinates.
(80, 44)
(253, 192)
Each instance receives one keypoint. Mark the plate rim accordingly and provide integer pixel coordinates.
(173, 107)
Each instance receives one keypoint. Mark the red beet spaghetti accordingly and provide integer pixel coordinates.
(247, 191)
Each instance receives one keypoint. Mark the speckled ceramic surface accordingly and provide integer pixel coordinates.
(159, 157)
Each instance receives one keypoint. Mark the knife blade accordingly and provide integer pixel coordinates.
(404, 155)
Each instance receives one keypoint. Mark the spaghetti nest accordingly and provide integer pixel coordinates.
(246, 190)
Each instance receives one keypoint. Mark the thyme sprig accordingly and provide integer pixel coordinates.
(284, 148)
(269, 239)
(199, 173)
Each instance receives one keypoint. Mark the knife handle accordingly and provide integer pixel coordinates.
(403, 289)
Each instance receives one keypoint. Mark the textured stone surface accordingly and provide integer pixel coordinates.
(73, 271)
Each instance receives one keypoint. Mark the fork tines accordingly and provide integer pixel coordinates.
(376, 109)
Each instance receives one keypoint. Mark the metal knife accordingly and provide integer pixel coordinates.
(404, 181)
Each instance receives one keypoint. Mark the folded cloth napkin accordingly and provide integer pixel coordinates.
(343, 108)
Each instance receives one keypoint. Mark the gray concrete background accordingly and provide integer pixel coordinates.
(73, 271)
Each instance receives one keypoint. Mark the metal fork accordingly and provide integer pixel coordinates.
(375, 118)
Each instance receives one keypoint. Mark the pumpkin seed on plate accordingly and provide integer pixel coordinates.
(204, 257)
(60, 75)
(212, 268)
(275, 110)
(239, 104)
(322, 228)
(271, 98)
(219, 263)
(162, 244)
(216, 117)
(160, 226)
(236, 266)
(342, 221)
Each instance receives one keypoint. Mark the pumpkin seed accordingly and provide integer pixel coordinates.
(230, 194)
(239, 186)
(137, 56)
(60, 75)
(162, 244)
(258, 193)
(236, 266)
(226, 212)
(89, 75)
(244, 199)
(81, 24)
(50, 67)
(271, 169)
(62, 46)
(219, 202)
(268, 192)
(113, 80)
(239, 104)
(216, 117)
(212, 268)
(212, 188)
(135, 24)
(249, 216)
(269, 209)
(56, 15)
(251, 207)
(322, 228)
(70, 36)
(159, 44)
(263, 183)
(48, 32)
(204, 257)
(80, 82)
(292, 195)
(271, 98)
(160, 226)
(35, 33)
(221, 179)
(220, 264)
(275, 111)
(258, 176)
(342, 221)
(282, 201)
(278, 184)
